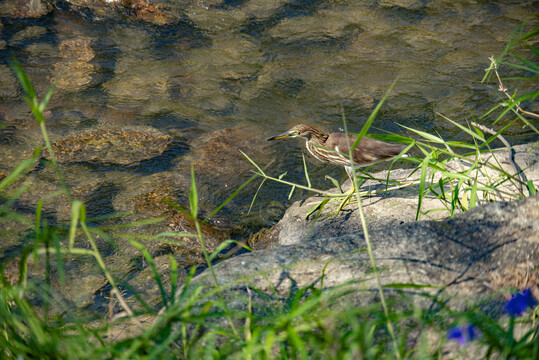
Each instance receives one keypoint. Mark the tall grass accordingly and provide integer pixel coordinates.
(199, 320)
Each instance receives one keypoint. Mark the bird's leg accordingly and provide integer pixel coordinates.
(350, 192)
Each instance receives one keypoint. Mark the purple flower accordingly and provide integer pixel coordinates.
(519, 303)
(463, 334)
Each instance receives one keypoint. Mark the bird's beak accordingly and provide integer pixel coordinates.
(281, 136)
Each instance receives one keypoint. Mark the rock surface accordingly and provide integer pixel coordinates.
(114, 146)
(482, 246)
(462, 261)
(469, 259)
(385, 210)
(74, 70)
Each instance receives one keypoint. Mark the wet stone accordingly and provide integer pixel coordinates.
(118, 147)
(59, 207)
(140, 81)
(139, 9)
(74, 70)
(406, 4)
(264, 239)
(210, 17)
(219, 164)
(327, 24)
(12, 269)
(148, 199)
(8, 134)
(29, 33)
(230, 62)
(31, 8)
(143, 283)
(145, 11)
(189, 247)
(80, 287)
(41, 50)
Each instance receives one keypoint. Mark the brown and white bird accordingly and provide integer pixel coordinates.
(335, 148)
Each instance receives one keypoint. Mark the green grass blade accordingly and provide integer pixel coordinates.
(531, 188)
(306, 171)
(173, 277)
(521, 67)
(465, 129)
(221, 247)
(526, 62)
(255, 195)
(422, 181)
(76, 208)
(292, 189)
(151, 263)
(371, 118)
(335, 182)
(473, 193)
(295, 339)
(193, 195)
(19, 171)
(59, 259)
(316, 207)
(228, 199)
(425, 135)
(23, 78)
(46, 99)
(254, 164)
(391, 138)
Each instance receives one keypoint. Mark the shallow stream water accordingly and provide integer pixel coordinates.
(221, 76)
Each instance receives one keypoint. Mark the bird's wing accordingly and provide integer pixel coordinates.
(367, 151)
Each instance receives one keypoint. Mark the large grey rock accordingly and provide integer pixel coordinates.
(479, 245)
(461, 262)
(385, 210)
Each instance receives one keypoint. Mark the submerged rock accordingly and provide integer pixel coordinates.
(140, 82)
(26, 8)
(219, 165)
(139, 9)
(74, 70)
(146, 196)
(29, 33)
(189, 245)
(151, 198)
(111, 146)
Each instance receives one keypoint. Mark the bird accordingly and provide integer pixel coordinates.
(335, 148)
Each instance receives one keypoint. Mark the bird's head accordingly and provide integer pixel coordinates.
(302, 130)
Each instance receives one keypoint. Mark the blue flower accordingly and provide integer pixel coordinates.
(519, 303)
(463, 334)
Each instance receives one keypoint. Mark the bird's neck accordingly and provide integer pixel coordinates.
(318, 136)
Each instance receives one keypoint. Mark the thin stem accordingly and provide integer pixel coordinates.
(53, 160)
(210, 267)
(390, 328)
(109, 277)
(503, 89)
